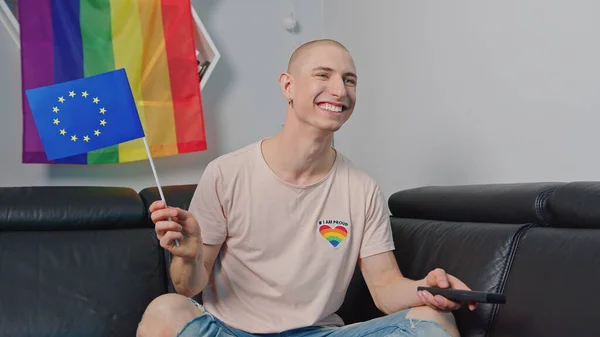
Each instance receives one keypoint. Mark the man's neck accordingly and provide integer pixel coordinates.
(299, 158)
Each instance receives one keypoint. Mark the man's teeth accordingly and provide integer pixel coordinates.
(330, 107)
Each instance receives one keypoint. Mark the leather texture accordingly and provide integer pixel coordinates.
(176, 196)
(552, 290)
(479, 254)
(85, 261)
(93, 283)
(476, 253)
(70, 208)
(575, 205)
(494, 203)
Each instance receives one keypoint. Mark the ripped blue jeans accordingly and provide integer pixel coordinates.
(394, 325)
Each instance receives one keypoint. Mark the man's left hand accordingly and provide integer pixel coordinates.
(438, 278)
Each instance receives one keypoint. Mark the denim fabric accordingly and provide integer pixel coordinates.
(394, 325)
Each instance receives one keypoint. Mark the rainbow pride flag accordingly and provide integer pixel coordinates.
(63, 40)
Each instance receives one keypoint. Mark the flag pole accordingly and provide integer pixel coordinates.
(162, 196)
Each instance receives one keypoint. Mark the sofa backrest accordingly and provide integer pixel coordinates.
(543, 267)
(551, 288)
(486, 203)
(175, 196)
(86, 260)
(469, 231)
(76, 261)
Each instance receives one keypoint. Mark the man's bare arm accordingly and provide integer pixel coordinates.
(392, 292)
(191, 276)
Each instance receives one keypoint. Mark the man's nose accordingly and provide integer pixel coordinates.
(337, 87)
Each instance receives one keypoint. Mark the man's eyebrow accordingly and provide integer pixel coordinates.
(331, 69)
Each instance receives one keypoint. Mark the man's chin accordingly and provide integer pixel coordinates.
(326, 126)
(331, 127)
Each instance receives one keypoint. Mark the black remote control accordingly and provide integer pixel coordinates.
(467, 296)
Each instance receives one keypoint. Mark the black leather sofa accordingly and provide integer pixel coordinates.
(84, 261)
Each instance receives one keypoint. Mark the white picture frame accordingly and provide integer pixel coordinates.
(9, 21)
(206, 49)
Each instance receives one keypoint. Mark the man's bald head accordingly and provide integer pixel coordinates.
(320, 85)
(301, 51)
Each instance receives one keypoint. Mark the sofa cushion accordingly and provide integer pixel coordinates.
(175, 196)
(575, 205)
(551, 288)
(89, 270)
(478, 254)
(494, 203)
(70, 208)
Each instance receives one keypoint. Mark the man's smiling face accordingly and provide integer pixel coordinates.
(323, 86)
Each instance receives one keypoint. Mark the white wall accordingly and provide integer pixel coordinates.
(461, 92)
(449, 92)
(242, 100)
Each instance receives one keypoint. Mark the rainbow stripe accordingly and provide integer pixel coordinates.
(153, 40)
(335, 236)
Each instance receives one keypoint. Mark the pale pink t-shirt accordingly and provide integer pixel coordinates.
(289, 252)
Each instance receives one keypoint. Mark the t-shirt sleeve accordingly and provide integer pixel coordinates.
(378, 232)
(207, 206)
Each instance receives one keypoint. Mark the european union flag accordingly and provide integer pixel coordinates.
(86, 114)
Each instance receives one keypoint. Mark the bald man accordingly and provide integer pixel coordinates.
(275, 229)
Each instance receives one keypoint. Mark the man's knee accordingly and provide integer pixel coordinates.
(166, 315)
(444, 319)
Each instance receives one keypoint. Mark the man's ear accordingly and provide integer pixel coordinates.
(285, 82)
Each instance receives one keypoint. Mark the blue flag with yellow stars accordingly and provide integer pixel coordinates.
(86, 114)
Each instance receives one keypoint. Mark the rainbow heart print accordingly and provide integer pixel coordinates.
(334, 235)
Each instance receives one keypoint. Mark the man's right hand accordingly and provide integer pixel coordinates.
(172, 224)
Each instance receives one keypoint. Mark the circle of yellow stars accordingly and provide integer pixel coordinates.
(63, 132)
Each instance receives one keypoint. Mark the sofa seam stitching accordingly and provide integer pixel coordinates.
(540, 203)
(514, 246)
